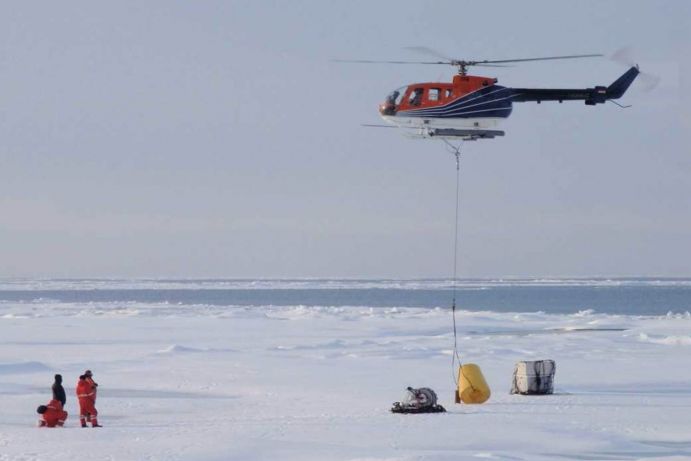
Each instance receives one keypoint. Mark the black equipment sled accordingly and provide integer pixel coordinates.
(406, 409)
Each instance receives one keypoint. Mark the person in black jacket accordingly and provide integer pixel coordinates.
(59, 391)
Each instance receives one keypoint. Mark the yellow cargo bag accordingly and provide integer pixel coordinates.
(472, 387)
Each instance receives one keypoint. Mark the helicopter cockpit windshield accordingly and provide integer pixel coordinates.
(393, 100)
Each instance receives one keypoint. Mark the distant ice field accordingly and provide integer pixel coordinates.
(634, 296)
(213, 382)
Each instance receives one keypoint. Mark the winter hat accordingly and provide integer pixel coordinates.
(41, 409)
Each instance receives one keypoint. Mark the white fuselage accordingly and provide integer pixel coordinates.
(421, 127)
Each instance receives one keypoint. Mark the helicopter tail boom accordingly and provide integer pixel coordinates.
(591, 96)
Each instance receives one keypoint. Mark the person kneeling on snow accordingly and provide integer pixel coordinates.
(86, 393)
(52, 414)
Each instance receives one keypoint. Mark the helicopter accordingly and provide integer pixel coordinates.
(471, 107)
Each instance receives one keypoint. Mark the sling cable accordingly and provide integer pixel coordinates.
(471, 384)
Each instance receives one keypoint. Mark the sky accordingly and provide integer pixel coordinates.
(220, 139)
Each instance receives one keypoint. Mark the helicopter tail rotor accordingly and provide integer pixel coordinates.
(625, 56)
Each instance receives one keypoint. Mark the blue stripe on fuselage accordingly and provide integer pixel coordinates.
(492, 101)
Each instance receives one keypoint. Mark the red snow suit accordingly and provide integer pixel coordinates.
(54, 415)
(94, 386)
(86, 393)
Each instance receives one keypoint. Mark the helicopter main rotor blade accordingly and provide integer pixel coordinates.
(451, 63)
(365, 61)
(548, 58)
(429, 51)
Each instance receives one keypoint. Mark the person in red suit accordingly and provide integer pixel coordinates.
(86, 394)
(52, 415)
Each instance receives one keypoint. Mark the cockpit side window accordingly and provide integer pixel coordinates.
(433, 94)
(399, 97)
(415, 97)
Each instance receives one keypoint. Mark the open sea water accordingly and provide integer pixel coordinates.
(630, 296)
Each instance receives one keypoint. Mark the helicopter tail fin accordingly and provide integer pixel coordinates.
(617, 89)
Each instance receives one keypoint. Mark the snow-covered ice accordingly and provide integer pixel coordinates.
(180, 382)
